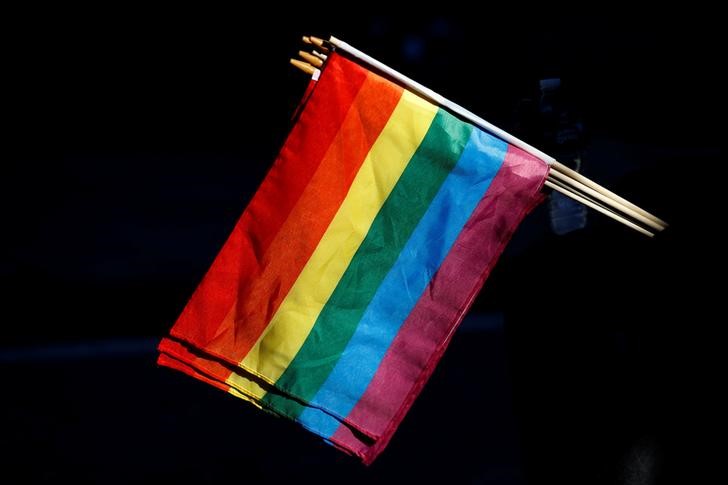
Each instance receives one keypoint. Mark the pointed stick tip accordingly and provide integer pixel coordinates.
(303, 66)
(311, 59)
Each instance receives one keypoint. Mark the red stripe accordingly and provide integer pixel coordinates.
(421, 341)
(239, 262)
(307, 222)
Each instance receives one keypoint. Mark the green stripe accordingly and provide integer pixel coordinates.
(432, 162)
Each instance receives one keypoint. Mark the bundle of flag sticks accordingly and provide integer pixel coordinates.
(560, 178)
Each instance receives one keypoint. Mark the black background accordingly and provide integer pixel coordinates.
(135, 137)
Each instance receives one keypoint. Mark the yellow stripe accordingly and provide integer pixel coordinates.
(387, 159)
(245, 389)
(244, 397)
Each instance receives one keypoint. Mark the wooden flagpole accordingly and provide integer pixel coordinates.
(561, 178)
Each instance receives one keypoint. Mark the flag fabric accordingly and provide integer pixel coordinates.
(347, 274)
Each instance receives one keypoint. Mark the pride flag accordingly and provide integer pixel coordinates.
(347, 274)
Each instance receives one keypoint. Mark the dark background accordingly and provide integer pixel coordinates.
(135, 138)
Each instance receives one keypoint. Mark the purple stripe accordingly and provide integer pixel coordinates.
(425, 334)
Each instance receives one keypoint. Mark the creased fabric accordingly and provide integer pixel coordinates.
(347, 274)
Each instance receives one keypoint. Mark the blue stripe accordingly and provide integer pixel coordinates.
(394, 300)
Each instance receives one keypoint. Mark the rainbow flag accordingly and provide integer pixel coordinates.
(347, 274)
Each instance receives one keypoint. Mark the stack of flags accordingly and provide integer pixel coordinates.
(346, 276)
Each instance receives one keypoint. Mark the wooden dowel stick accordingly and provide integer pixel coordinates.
(440, 100)
(580, 178)
(305, 67)
(607, 201)
(589, 203)
(311, 59)
(320, 43)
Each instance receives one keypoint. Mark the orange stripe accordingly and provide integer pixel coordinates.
(307, 222)
(171, 361)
